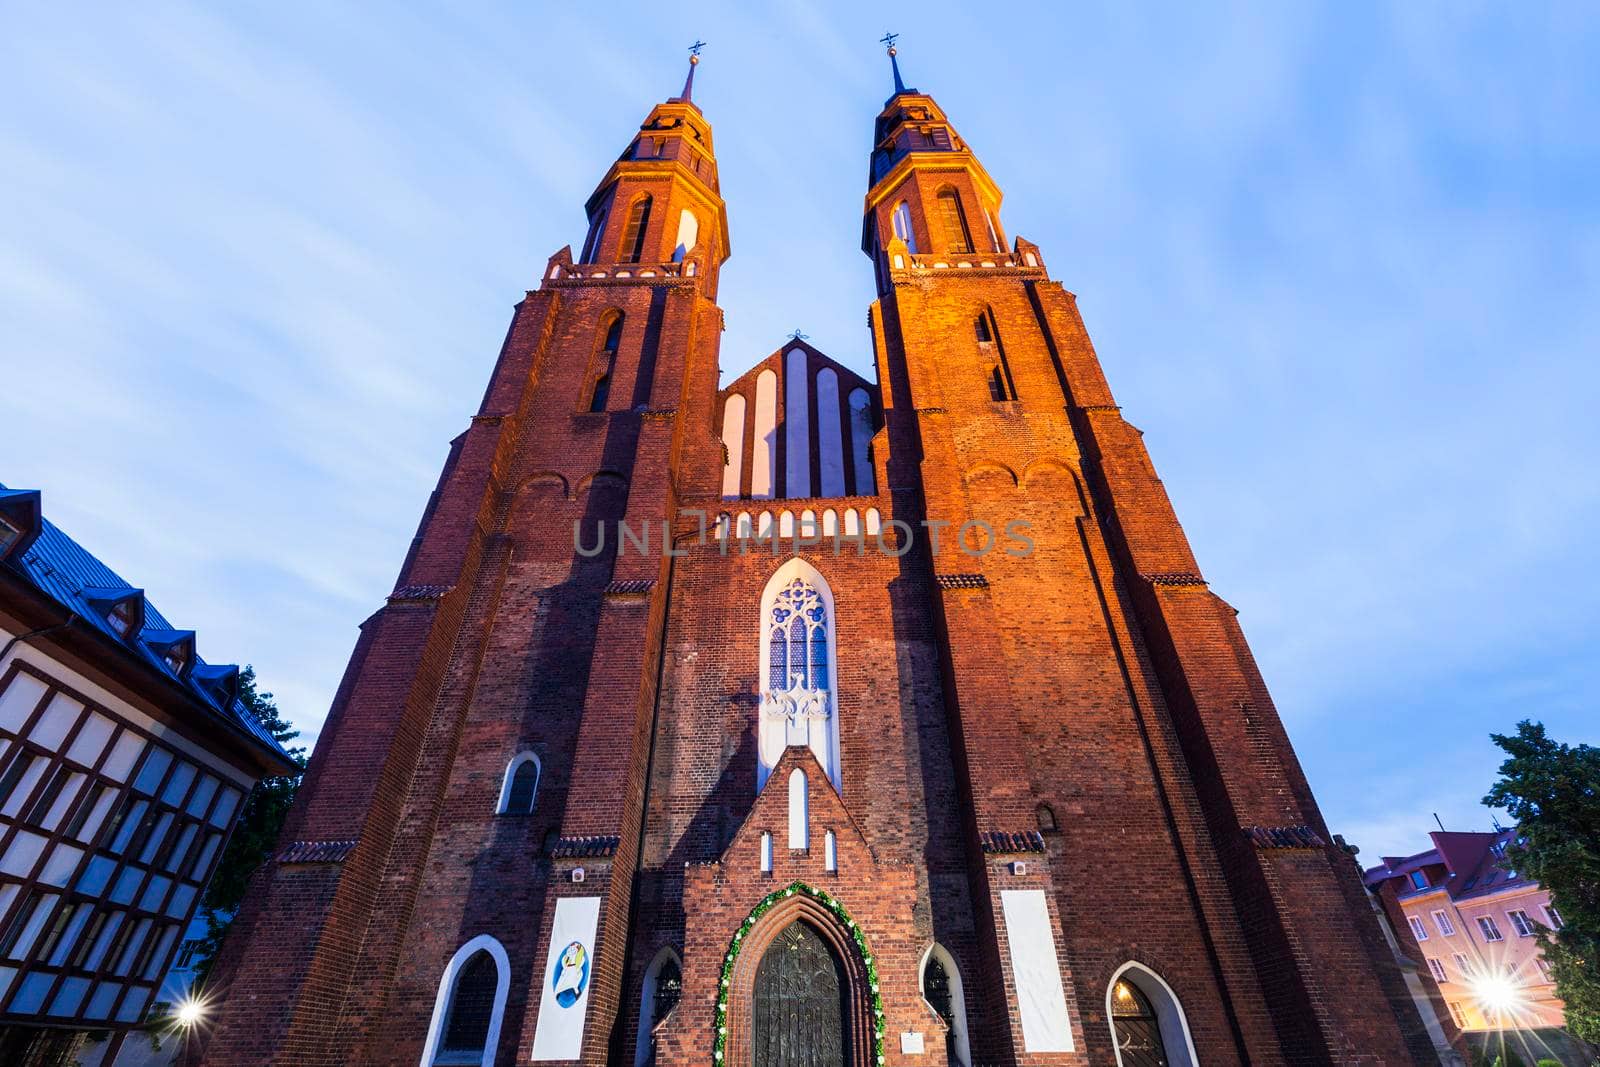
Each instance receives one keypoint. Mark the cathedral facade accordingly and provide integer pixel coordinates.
(809, 720)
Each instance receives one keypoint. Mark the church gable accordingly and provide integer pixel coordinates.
(798, 425)
(798, 827)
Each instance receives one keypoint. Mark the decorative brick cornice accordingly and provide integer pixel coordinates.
(999, 842)
(659, 414)
(487, 420)
(412, 593)
(961, 581)
(1174, 578)
(630, 587)
(1099, 407)
(316, 852)
(587, 847)
(933, 411)
(1266, 837)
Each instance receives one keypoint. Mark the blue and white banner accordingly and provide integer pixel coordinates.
(568, 971)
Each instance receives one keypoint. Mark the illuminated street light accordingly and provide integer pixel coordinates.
(1499, 996)
(191, 1012)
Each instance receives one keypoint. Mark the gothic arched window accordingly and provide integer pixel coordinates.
(798, 669)
(592, 240)
(521, 785)
(467, 1012)
(901, 221)
(662, 989)
(604, 362)
(953, 221)
(941, 988)
(633, 234)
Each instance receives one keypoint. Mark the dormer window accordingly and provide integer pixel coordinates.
(10, 534)
(175, 659)
(121, 618)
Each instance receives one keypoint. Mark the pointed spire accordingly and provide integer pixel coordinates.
(687, 96)
(888, 39)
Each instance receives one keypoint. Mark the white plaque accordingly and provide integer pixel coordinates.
(911, 1042)
(568, 973)
(1041, 1000)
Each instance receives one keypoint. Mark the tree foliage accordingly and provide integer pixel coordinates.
(256, 834)
(1552, 790)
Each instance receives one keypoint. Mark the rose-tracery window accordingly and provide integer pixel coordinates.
(798, 642)
(797, 679)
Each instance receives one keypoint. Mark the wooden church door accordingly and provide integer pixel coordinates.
(797, 1014)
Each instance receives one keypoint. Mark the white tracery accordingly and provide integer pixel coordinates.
(797, 669)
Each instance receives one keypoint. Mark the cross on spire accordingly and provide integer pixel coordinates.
(888, 39)
(687, 96)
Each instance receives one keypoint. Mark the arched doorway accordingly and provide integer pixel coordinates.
(1147, 1021)
(797, 1011)
(1138, 1033)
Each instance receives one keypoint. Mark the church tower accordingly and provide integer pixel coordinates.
(808, 719)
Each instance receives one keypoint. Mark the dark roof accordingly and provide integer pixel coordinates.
(1471, 862)
(70, 575)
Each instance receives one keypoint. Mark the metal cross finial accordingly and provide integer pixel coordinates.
(889, 39)
(798, 336)
(694, 49)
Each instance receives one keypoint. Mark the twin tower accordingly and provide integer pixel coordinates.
(811, 720)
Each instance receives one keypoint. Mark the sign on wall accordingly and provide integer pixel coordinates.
(564, 997)
(1041, 1000)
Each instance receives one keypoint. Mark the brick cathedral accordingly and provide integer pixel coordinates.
(810, 720)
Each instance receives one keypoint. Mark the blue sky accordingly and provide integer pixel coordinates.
(1340, 263)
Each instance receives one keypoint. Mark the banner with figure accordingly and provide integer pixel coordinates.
(564, 999)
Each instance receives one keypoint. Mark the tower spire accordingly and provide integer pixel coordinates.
(687, 96)
(888, 39)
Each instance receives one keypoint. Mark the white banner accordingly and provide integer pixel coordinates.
(1041, 1001)
(568, 971)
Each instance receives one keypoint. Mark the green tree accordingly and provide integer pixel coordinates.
(1552, 790)
(256, 834)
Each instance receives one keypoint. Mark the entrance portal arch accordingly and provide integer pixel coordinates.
(799, 987)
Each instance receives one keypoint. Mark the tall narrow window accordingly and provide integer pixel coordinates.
(521, 785)
(467, 1011)
(605, 362)
(1001, 386)
(797, 670)
(799, 831)
(941, 988)
(953, 221)
(901, 220)
(597, 226)
(466, 1028)
(634, 233)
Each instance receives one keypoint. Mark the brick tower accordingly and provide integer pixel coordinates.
(808, 720)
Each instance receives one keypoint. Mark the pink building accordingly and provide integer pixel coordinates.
(1473, 927)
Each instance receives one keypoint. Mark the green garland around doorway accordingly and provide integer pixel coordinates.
(843, 916)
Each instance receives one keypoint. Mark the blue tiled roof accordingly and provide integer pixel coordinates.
(69, 574)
